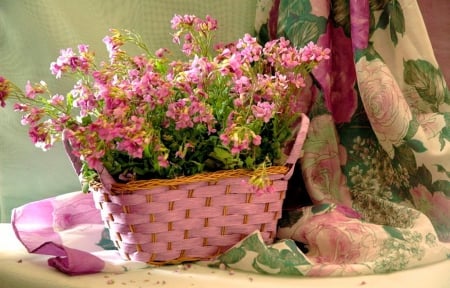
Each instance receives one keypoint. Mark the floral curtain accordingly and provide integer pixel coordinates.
(375, 195)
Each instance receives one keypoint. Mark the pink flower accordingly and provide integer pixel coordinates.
(263, 110)
(332, 237)
(162, 161)
(147, 116)
(436, 206)
(387, 110)
(322, 164)
(113, 43)
(57, 99)
(32, 90)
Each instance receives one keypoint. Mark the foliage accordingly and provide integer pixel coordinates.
(148, 116)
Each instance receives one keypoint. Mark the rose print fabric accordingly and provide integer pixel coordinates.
(376, 161)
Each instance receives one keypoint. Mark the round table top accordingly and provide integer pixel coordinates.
(21, 269)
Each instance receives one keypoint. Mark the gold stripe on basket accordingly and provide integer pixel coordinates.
(129, 187)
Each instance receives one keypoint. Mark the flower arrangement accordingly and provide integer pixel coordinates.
(146, 116)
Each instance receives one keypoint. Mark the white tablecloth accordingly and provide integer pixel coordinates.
(20, 269)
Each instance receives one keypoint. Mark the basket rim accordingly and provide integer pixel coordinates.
(210, 177)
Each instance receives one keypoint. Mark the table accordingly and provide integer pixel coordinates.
(20, 269)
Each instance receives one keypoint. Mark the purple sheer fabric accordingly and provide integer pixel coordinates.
(43, 226)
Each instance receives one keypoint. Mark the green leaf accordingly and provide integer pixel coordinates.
(383, 22)
(392, 15)
(297, 254)
(233, 255)
(298, 24)
(424, 176)
(225, 158)
(397, 17)
(412, 128)
(444, 136)
(86, 120)
(249, 162)
(427, 80)
(394, 37)
(404, 156)
(284, 260)
(416, 145)
(297, 7)
(263, 34)
(302, 32)
(394, 232)
(270, 258)
(105, 242)
(321, 208)
(254, 243)
(370, 53)
(69, 101)
(442, 169)
(441, 186)
(447, 96)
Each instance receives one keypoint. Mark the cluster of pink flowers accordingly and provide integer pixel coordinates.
(147, 116)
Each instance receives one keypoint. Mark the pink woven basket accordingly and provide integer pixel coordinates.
(168, 221)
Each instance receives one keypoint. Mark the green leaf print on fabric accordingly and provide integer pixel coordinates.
(412, 128)
(427, 81)
(394, 232)
(396, 252)
(282, 262)
(392, 15)
(422, 176)
(105, 242)
(253, 243)
(233, 255)
(445, 133)
(442, 169)
(447, 96)
(416, 145)
(441, 186)
(322, 208)
(369, 53)
(405, 157)
(297, 22)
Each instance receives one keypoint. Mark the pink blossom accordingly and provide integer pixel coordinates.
(32, 90)
(160, 53)
(178, 21)
(57, 99)
(162, 161)
(34, 116)
(436, 206)
(263, 110)
(147, 106)
(21, 107)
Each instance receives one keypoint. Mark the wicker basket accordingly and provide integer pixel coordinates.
(191, 218)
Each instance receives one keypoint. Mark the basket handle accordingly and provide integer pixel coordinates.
(296, 150)
(105, 178)
(76, 162)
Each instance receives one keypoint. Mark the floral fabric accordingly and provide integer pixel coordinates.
(375, 191)
(376, 162)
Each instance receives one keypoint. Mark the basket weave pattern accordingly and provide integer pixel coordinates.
(167, 221)
(174, 222)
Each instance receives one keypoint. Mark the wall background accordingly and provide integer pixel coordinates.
(436, 14)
